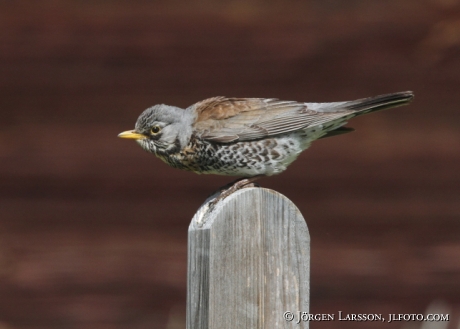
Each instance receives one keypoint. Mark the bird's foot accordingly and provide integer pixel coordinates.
(228, 189)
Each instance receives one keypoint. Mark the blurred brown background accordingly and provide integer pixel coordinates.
(93, 230)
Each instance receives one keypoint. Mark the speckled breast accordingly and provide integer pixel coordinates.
(261, 157)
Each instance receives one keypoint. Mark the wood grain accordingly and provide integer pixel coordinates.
(248, 263)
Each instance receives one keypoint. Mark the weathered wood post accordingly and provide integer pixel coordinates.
(248, 263)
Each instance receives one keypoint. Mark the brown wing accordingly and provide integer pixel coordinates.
(226, 120)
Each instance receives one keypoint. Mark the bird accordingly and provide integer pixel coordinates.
(246, 137)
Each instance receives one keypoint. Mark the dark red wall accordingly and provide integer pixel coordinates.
(93, 230)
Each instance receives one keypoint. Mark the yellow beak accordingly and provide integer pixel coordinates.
(131, 134)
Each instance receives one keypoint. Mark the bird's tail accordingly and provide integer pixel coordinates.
(378, 103)
(368, 105)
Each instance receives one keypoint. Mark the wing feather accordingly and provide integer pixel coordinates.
(226, 120)
(229, 119)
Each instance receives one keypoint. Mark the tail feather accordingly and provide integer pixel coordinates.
(338, 131)
(367, 105)
(378, 103)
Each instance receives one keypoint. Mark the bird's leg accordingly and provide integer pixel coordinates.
(233, 187)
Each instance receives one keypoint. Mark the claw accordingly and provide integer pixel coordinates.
(227, 190)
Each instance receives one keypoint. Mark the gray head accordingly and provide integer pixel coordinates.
(162, 129)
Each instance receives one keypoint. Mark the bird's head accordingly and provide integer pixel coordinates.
(161, 129)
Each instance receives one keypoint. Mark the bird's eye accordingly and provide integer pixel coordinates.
(155, 130)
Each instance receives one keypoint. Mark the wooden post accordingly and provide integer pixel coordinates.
(248, 263)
